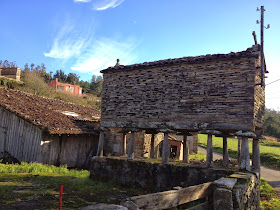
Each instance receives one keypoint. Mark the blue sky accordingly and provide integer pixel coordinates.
(86, 36)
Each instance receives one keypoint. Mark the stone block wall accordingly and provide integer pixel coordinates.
(238, 191)
(152, 176)
(206, 92)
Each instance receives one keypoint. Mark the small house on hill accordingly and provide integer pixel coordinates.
(75, 90)
(49, 131)
(12, 73)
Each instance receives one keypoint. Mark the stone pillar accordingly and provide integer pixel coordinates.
(131, 145)
(152, 150)
(256, 162)
(225, 152)
(245, 155)
(239, 150)
(165, 148)
(185, 150)
(100, 144)
(124, 144)
(209, 158)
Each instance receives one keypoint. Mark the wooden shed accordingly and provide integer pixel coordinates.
(49, 131)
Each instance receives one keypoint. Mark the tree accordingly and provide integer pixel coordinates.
(73, 78)
(85, 85)
(60, 75)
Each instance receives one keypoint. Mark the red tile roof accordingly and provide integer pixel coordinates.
(52, 115)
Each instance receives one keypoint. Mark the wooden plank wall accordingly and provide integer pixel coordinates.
(22, 139)
(73, 150)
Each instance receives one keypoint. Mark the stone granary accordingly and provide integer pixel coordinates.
(213, 94)
(49, 131)
(117, 143)
(12, 73)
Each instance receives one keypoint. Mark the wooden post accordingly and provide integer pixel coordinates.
(124, 144)
(152, 150)
(225, 152)
(131, 145)
(209, 158)
(165, 149)
(256, 162)
(245, 156)
(239, 150)
(100, 144)
(185, 150)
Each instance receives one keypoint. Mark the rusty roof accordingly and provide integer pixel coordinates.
(253, 51)
(51, 115)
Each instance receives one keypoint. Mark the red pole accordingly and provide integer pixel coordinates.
(60, 197)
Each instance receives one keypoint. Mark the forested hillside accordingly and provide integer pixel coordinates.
(272, 123)
(35, 81)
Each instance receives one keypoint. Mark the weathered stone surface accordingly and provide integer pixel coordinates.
(151, 175)
(222, 199)
(219, 93)
(103, 206)
(226, 182)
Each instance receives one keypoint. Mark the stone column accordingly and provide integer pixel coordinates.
(124, 144)
(225, 152)
(152, 150)
(131, 145)
(256, 162)
(239, 150)
(245, 155)
(165, 148)
(100, 144)
(185, 150)
(209, 158)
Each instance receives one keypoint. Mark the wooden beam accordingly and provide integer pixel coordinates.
(165, 149)
(100, 144)
(171, 198)
(245, 155)
(209, 158)
(225, 152)
(124, 144)
(131, 145)
(239, 150)
(185, 150)
(256, 162)
(152, 150)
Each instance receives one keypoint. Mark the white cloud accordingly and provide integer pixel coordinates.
(106, 4)
(67, 43)
(104, 53)
(82, 1)
(75, 46)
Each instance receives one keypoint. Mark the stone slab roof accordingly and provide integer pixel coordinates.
(250, 52)
(51, 115)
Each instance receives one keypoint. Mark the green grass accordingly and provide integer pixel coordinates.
(268, 196)
(199, 156)
(269, 151)
(37, 186)
(40, 168)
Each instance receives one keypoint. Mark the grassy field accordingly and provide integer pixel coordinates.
(268, 196)
(269, 151)
(36, 186)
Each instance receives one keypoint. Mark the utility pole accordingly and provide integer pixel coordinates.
(262, 53)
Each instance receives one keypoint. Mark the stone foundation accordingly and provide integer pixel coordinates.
(238, 191)
(152, 176)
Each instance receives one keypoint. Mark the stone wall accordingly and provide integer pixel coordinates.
(113, 143)
(206, 92)
(152, 176)
(238, 191)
